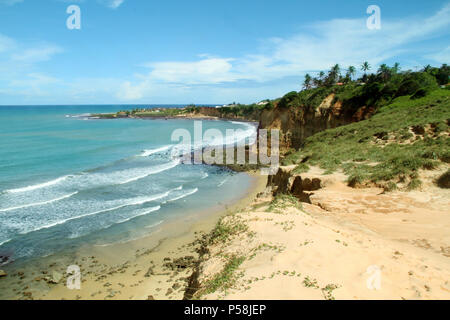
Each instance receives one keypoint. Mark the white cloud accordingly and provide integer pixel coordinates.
(34, 80)
(442, 56)
(113, 4)
(6, 43)
(31, 55)
(129, 92)
(31, 85)
(317, 47)
(209, 70)
(19, 71)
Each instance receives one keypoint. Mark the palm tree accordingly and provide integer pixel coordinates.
(307, 82)
(396, 68)
(351, 71)
(336, 69)
(333, 75)
(427, 68)
(384, 71)
(365, 67)
(321, 75)
(317, 82)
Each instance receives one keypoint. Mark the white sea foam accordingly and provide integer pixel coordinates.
(134, 202)
(7, 240)
(249, 133)
(188, 193)
(205, 175)
(79, 234)
(39, 203)
(222, 183)
(155, 170)
(153, 209)
(240, 136)
(149, 152)
(38, 186)
(155, 224)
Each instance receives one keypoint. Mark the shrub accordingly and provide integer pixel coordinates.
(288, 99)
(415, 81)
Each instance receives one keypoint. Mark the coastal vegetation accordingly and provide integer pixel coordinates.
(408, 131)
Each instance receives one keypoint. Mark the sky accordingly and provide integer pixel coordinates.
(203, 51)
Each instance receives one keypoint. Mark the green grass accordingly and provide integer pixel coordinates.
(353, 147)
(283, 201)
(227, 227)
(225, 279)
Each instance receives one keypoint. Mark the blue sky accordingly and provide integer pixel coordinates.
(151, 52)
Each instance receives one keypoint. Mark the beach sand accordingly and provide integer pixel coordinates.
(131, 270)
(346, 244)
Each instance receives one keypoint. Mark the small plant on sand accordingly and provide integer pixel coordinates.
(414, 184)
(225, 279)
(301, 168)
(283, 201)
(287, 225)
(327, 291)
(310, 283)
(227, 227)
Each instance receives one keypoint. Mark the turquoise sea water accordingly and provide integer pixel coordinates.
(67, 180)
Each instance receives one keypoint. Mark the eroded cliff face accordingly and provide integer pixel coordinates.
(297, 124)
(300, 123)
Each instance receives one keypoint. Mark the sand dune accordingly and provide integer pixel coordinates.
(347, 244)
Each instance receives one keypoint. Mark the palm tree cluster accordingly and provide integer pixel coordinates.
(334, 75)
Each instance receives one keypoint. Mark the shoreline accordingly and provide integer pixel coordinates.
(131, 270)
(187, 116)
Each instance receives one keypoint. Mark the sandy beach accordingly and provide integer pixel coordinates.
(156, 266)
(345, 244)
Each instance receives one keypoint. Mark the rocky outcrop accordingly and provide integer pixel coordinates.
(285, 182)
(280, 182)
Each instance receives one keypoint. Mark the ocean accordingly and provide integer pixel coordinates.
(67, 180)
